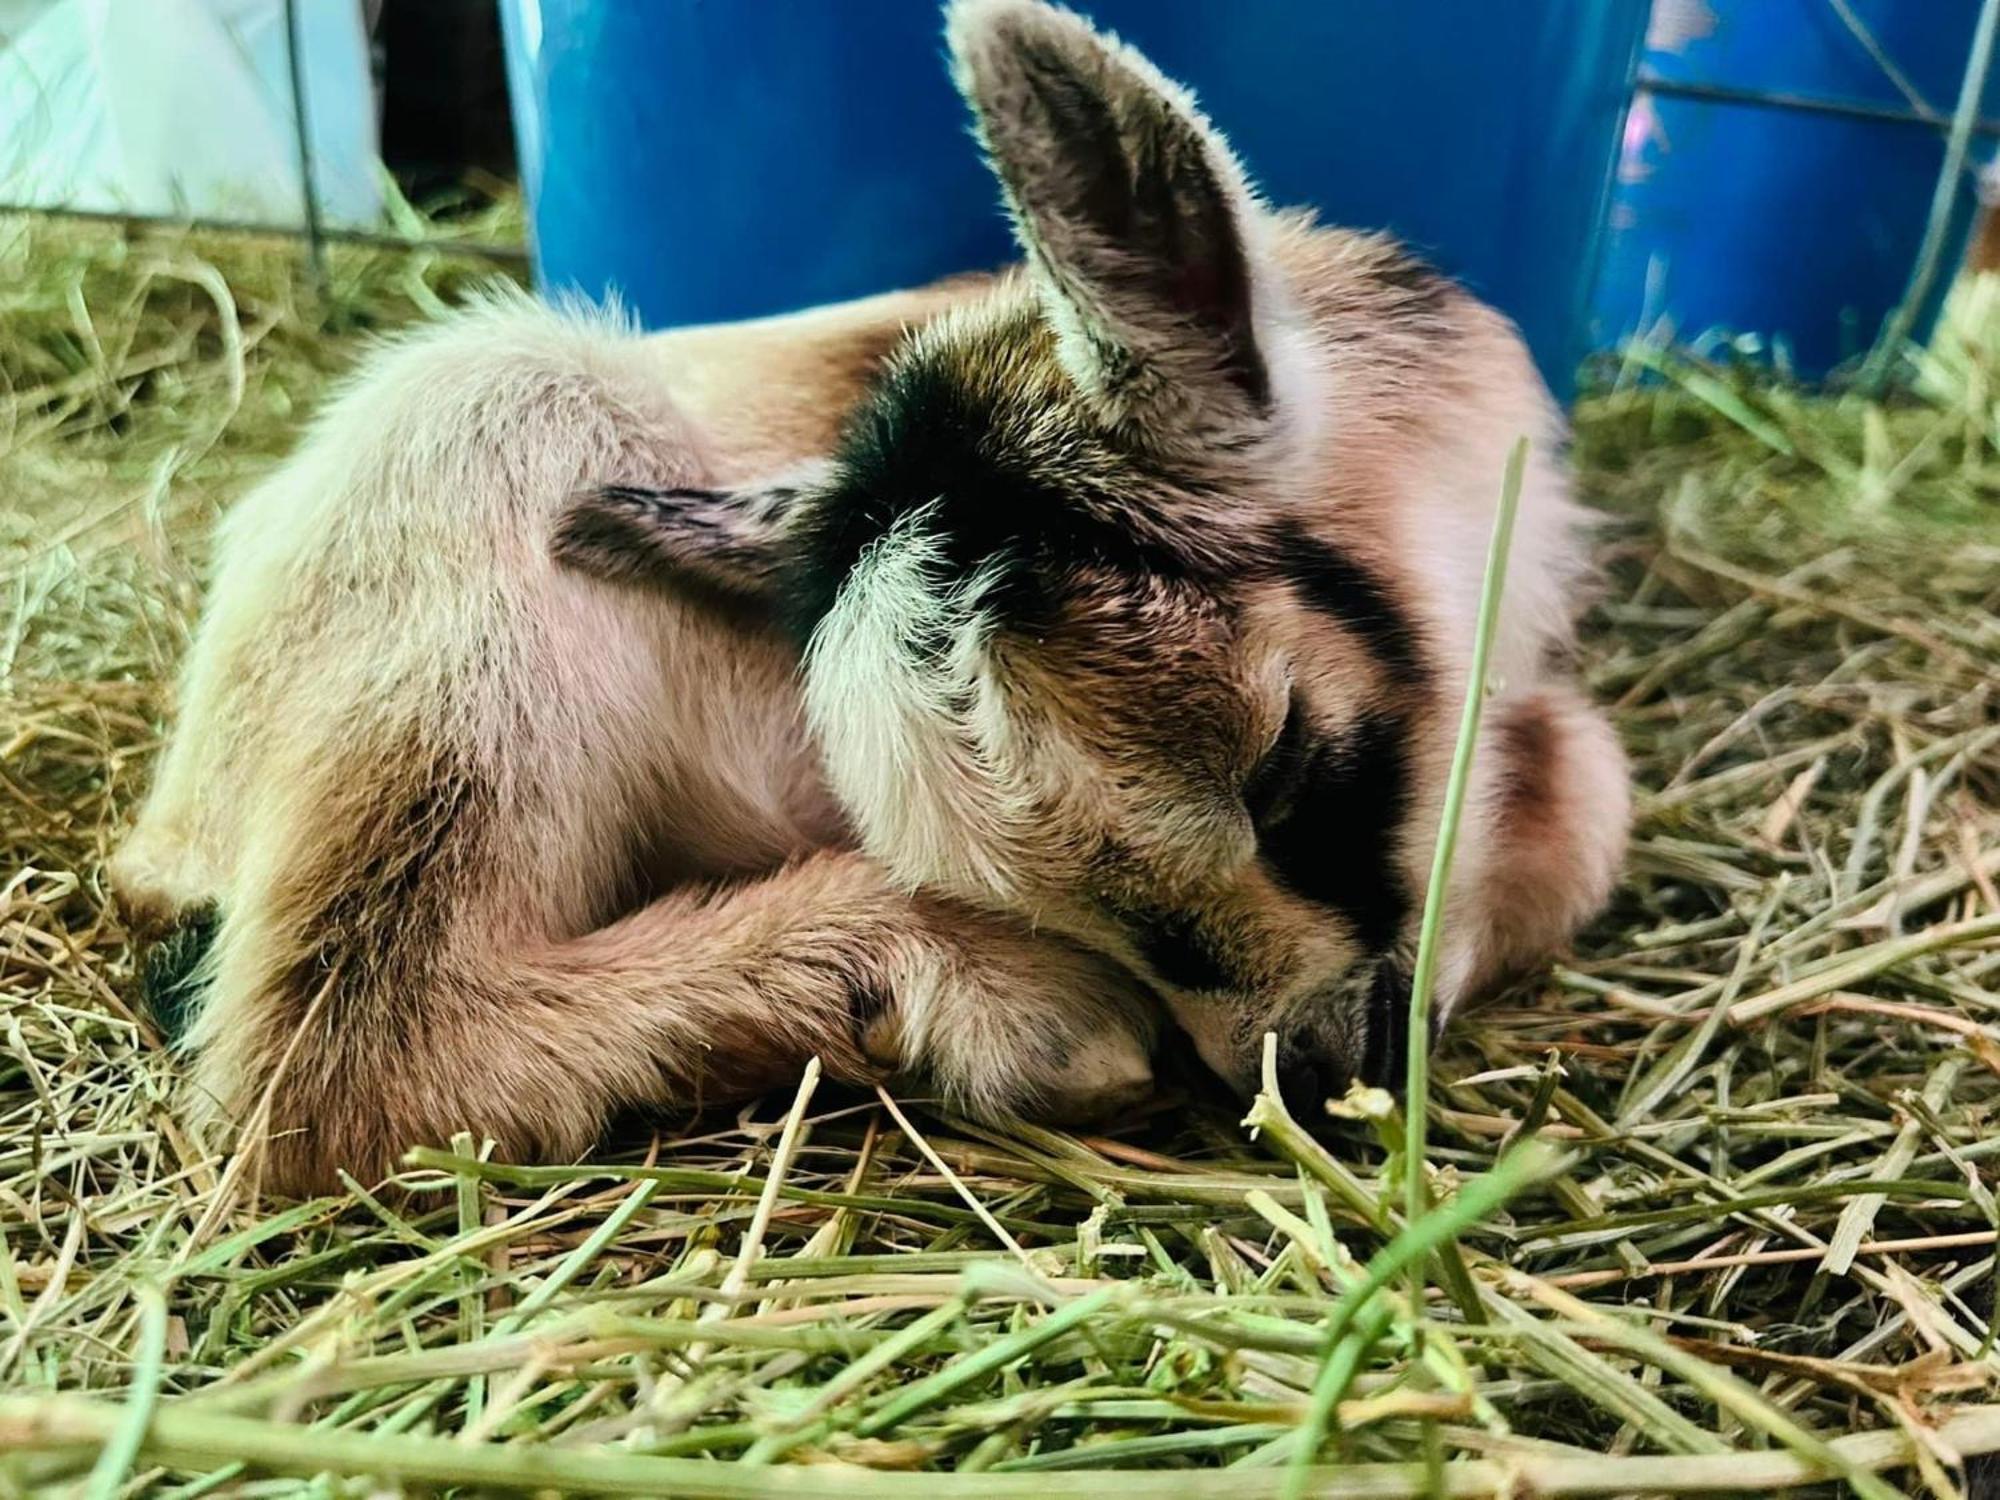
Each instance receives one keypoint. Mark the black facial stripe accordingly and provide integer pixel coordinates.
(1331, 582)
(1173, 947)
(1334, 842)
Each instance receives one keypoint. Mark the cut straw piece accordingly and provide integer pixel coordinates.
(578, 1260)
(752, 1248)
(972, 1200)
(1858, 1218)
(1654, 1088)
(995, 1356)
(1706, 388)
(1864, 963)
(1590, 1375)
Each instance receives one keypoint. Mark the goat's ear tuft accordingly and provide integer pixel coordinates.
(1135, 217)
(727, 545)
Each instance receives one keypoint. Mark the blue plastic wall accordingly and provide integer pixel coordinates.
(716, 159)
(1797, 226)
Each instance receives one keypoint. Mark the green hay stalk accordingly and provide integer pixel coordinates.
(1416, 1187)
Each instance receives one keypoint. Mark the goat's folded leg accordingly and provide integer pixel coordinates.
(997, 1021)
(695, 998)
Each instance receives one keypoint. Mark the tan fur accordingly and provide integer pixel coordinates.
(503, 848)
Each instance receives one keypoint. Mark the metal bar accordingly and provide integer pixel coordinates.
(1889, 347)
(513, 255)
(1879, 55)
(1607, 194)
(1716, 93)
(302, 133)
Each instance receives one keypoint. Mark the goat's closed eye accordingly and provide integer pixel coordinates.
(1273, 787)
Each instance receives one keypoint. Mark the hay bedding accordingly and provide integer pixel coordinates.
(1764, 1258)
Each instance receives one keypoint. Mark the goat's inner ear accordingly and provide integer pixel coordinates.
(727, 545)
(1135, 216)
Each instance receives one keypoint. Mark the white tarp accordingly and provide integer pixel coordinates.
(184, 108)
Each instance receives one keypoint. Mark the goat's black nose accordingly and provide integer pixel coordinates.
(1308, 1077)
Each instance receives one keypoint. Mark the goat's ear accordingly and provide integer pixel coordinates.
(727, 545)
(1136, 219)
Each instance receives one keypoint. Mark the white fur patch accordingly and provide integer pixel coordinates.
(898, 690)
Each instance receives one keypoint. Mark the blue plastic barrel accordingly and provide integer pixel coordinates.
(715, 159)
(1792, 204)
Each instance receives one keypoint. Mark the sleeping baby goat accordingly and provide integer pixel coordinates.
(1138, 594)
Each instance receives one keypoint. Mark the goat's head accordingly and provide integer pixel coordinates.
(1074, 649)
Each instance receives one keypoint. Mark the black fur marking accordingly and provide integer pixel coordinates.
(1982, 1477)
(924, 438)
(1424, 290)
(1173, 948)
(1318, 1062)
(1333, 840)
(1327, 810)
(711, 544)
(170, 982)
(1332, 582)
(1301, 1085)
(1385, 1058)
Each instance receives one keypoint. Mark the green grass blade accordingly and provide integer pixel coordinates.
(1424, 979)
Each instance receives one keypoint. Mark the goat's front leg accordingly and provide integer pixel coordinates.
(696, 998)
(999, 1021)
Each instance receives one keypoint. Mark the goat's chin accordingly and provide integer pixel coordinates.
(1211, 1022)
